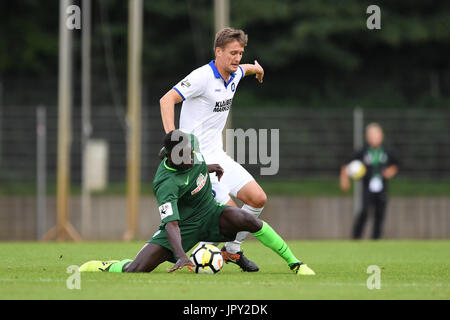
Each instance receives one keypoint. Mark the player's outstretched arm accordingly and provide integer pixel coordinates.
(250, 69)
(167, 104)
(174, 237)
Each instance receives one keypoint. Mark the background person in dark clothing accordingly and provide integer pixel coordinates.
(381, 166)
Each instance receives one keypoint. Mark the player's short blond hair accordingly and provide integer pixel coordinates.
(374, 125)
(227, 35)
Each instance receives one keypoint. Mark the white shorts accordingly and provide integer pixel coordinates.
(233, 179)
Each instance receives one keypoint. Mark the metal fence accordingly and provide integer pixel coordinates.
(317, 142)
(312, 142)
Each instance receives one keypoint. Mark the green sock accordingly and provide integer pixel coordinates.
(117, 267)
(268, 237)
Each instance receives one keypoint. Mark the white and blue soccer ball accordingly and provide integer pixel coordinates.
(207, 259)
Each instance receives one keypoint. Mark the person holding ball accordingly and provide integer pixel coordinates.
(381, 166)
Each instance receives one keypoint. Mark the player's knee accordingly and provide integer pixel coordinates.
(250, 222)
(259, 200)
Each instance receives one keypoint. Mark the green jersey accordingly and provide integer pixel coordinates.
(184, 195)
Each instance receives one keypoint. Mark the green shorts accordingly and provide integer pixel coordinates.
(207, 228)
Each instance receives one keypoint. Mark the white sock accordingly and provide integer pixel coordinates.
(235, 246)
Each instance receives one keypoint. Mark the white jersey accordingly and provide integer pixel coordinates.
(207, 100)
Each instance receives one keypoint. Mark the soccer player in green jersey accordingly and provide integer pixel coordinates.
(190, 214)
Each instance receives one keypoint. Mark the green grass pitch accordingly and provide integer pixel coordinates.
(409, 270)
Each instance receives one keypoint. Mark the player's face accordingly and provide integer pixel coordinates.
(374, 137)
(230, 56)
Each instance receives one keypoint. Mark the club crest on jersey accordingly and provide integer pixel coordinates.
(201, 181)
(233, 87)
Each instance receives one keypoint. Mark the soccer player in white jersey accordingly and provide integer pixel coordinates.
(207, 94)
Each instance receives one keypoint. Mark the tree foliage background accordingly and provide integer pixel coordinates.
(316, 53)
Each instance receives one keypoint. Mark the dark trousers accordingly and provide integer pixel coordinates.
(378, 201)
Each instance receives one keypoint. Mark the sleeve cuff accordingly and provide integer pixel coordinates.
(179, 93)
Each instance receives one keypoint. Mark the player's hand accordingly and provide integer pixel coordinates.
(389, 172)
(217, 169)
(259, 72)
(183, 261)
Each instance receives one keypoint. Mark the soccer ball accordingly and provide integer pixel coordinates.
(356, 169)
(207, 259)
